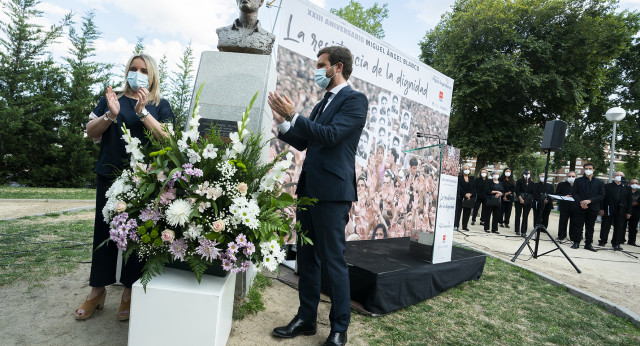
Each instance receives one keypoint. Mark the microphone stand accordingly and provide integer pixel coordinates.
(539, 228)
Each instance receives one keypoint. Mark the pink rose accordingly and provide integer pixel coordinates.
(218, 226)
(242, 188)
(167, 236)
(121, 206)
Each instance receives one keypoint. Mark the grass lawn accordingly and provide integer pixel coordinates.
(34, 248)
(508, 305)
(45, 193)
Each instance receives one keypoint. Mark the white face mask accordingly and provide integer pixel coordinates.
(542, 179)
(635, 186)
(526, 176)
(617, 178)
(496, 177)
(466, 171)
(483, 175)
(588, 171)
(571, 180)
(507, 174)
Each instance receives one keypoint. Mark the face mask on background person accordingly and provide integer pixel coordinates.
(526, 176)
(466, 171)
(571, 180)
(483, 175)
(635, 186)
(320, 76)
(617, 178)
(542, 179)
(137, 80)
(507, 174)
(496, 177)
(588, 171)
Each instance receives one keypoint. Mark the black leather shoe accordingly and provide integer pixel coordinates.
(473, 223)
(617, 248)
(601, 243)
(559, 240)
(496, 232)
(486, 230)
(589, 247)
(336, 338)
(296, 327)
(465, 229)
(632, 244)
(575, 245)
(506, 225)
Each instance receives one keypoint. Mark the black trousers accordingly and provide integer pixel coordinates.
(461, 212)
(479, 203)
(104, 261)
(618, 221)
(324, 223)
(505, 212)
(491, 214)
(522, 210)
(582, 218)
(545, 210)
(632, 224)
(565, 215)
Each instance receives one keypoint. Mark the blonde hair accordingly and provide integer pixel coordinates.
(152, 73)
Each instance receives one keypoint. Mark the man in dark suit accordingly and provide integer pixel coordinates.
(330, 136)
(632, 223)
(615, 210)
(564, 189)
(588, 193)
(542, 204)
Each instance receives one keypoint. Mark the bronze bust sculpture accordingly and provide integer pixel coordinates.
(245, 34)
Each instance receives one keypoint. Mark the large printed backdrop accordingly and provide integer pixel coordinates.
(397, 191)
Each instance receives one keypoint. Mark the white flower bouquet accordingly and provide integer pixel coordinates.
(205, 201)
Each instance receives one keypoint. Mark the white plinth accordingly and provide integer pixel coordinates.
(176, 310)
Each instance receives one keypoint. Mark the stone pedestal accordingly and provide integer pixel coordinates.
(231, 80)
(176, 310)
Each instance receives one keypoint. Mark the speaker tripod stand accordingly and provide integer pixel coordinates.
(539, 228)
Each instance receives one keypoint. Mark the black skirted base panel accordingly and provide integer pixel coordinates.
(385, 276)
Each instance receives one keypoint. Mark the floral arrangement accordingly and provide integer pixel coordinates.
(205, 201)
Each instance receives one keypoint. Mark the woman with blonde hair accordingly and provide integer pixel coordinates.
(139, 107)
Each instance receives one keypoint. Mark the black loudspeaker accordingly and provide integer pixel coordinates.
(554, 132)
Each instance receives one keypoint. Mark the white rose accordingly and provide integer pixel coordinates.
(168, 236)
(218, 226)
(242, 188)
(121, 206)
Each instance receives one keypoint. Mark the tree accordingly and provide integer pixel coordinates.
(369, 20)
(139, 48)
(30, 85)
(78, 151)
(517, 64)
(163, 74)
(182, 87)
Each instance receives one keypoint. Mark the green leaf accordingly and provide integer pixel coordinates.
(285, 200)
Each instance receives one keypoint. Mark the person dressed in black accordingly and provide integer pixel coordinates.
(139, 107)
(632, 223)
(481, 191)
(493, 203)
(509, 185)
(524, 199)
(542, 203)
(588, 193)
(564, 189)
(615, 210)
(466, 192)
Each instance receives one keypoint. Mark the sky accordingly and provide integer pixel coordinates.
(168, 26)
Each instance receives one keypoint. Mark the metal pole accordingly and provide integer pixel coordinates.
(613, 149)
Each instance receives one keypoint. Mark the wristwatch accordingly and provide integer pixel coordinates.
(143, 114)
(290, 116)
(107, 117)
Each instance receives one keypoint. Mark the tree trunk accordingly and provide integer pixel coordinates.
(480, 163)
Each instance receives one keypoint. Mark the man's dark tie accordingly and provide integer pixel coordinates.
(323, 103)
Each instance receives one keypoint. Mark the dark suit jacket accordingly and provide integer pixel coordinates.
(624, 204)
(563, 189)
(331, 141)
(583, 190)
(465, 188)
(481, 187)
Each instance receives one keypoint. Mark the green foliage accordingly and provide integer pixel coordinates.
(253, 303)
(182, 87)
(46, 193)
(154, 266)
(139, 48)
(369, 20)
(517, 64)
